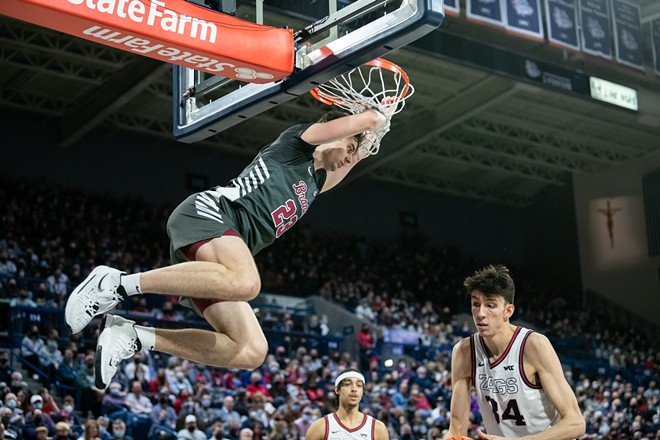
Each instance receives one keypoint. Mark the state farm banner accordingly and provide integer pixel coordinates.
(523, 17)
(628, 42)
(486, 11)
(173, 31)
(562, 23)
(452, 7)
(655, 39)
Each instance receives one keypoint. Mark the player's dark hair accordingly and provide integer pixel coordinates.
(492, 281)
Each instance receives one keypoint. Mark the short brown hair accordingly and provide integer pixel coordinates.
(492, 281)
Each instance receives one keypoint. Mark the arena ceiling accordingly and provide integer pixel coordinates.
(467, 131)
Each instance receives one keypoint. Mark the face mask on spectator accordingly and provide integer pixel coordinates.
(52, 345)
(115, 391)
(38, 405)
(119, 433)
(206, 403)
(11, 403)
(68, 409)
(191, 428)
(179, 375)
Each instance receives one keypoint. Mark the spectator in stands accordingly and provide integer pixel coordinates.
(58, 283)
(5, 369)
(7, 267)
(114, 399)
(63, 431)
(256, 385)
(162, 413)
(68, 415)
(41, 433)
(104, 428)
(180, 383)
(50, 356)
(366, 344)
(137, 402)
(90, 397)
(31, 346)
(50, 406)
(191, 431)
(137, 369)
(91, 431)
(205, 413)
(304, 421)
(227, 412)
(23, 299)
(67, 371)
(36, 418)
(401, 397)
(166, 312)
(199, 373)
(13, 424)
(119, 430)
(158, 382)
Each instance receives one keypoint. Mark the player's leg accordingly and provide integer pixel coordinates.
(235, 278)
(239, 341)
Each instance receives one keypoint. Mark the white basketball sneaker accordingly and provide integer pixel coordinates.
(98, 294)
(118, 340)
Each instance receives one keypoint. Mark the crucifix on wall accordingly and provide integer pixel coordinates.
(609, 214)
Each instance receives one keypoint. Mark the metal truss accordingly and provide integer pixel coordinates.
(61, 45)
(30, 101)
(594, 153)
(45, 63)
(451, 187)
(588, 121)
(493, 155)
(542, 162)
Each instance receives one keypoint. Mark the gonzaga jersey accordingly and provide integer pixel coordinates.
(511, 405)
(335, 430)
(273, 192)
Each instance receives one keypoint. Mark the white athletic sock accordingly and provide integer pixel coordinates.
(147, 336)
(131, 283)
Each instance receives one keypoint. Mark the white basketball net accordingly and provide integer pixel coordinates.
(364, 88)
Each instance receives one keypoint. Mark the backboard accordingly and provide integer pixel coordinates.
(331, 37)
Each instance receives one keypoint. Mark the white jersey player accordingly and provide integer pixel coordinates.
(348, 423)
(516, 373)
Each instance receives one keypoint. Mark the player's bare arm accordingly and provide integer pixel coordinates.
(342, 128)
(380, 433)
(461, 367)
(316, 431)
(542, 363)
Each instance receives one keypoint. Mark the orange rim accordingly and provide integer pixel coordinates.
(378, 62)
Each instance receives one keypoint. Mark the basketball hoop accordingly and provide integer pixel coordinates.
(365, 87)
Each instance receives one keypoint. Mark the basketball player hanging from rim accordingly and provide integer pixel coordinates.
(214, 235)
(348, 423)
(519, 381)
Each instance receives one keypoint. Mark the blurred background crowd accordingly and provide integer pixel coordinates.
(407, 288)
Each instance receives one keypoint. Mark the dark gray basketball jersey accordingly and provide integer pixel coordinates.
(274, 191)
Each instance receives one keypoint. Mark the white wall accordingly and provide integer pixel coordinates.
(618, 268)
